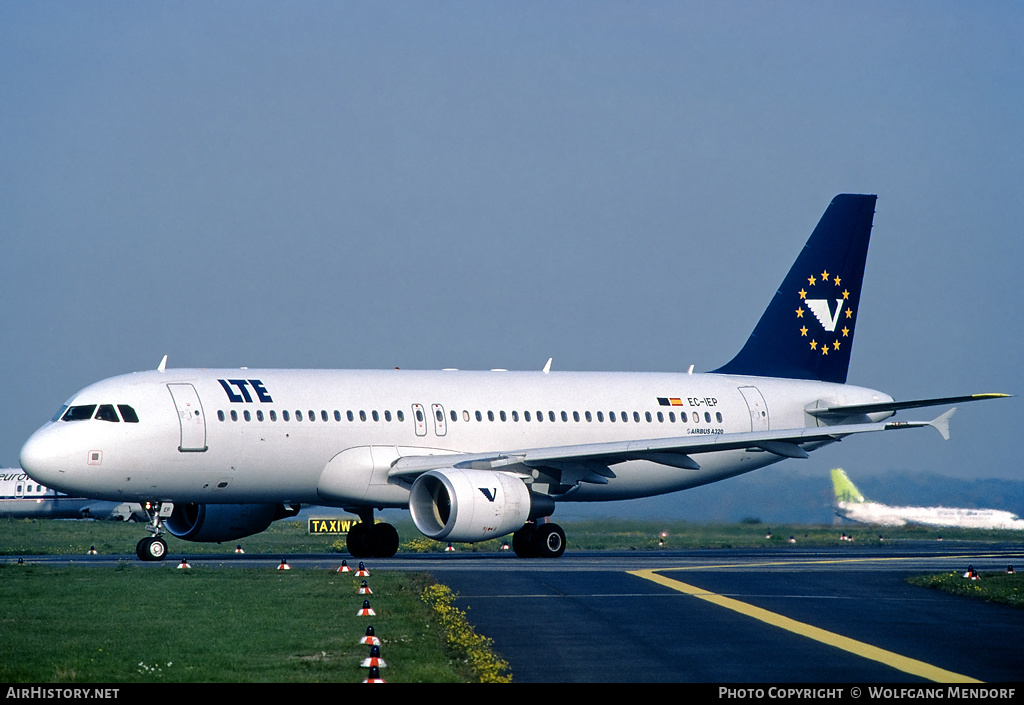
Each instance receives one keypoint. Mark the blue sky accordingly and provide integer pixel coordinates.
(619, 186)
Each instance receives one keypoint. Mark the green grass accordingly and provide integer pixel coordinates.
(1001, 587)
(147, 624)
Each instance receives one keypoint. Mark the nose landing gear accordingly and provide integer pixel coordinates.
(153, 548)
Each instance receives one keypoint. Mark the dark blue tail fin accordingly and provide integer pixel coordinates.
(807, 330)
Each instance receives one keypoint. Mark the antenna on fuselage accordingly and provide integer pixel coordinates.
(163, 365)
(547, 365)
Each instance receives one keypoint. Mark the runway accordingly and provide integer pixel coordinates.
(722, 616)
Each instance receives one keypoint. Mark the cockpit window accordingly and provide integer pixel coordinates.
(60, 413)
(106, 413)
(79, 413)
(101, 412)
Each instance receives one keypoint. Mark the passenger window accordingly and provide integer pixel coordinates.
(696, 418)
(312, 416)
(479, 417)
(600, 416)
(526, 415)
(349, 416)
(246, 416)
(551, 416)
(259, 414)
(106, 413)
(718, 416)
(337, 415)
(362, 415)
(454, 415)
(387, 415)
(515, 416)
(234, 415)
(298, 415)
(501, 415)
(565, 417)
(376, 416)
(490, 416)
(128, 413)
(273, 415)
(285, 416)
(400, 415)
(586, 415)
(707, 416)
(220, 415)
(576, 416)
(465, 416)
(323, 414)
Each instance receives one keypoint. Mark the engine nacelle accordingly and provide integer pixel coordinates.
(223, 522)
(472, 505)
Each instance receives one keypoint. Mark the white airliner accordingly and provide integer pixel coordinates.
(220, 454)
(23, 497)
(851, 504)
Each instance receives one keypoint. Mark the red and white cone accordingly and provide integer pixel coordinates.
(366, 611)
(362, 572)
(374, 659)
(364, 589)
(238, 549)
(374, 676)
(183, 564)
(369, 639)
(284, 565)
(343, 568)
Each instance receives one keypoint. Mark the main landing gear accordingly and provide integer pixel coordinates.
(539, 541)
(152, 548)
(369, 540)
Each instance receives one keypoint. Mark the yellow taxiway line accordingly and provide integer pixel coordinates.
(859, 648)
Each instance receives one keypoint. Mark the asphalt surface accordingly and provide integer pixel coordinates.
(721, 616)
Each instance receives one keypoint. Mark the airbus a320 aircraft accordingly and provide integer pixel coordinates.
(220, 454)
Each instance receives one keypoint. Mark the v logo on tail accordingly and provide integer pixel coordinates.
(799, 337)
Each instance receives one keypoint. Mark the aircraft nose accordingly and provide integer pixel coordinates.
(44, 457)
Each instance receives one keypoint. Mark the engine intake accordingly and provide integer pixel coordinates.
(472, 505)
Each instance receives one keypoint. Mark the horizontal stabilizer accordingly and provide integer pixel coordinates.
(834, 412)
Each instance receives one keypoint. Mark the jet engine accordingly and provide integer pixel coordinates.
(223, 522)
(473, 505)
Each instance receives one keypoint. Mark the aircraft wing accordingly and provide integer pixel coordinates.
(838, 412)
(591, 462)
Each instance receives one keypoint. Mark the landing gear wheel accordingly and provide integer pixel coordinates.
(152, 548)
(522, 541)
(372, 540)
(358, 542)
(549, 541)
(383, 541)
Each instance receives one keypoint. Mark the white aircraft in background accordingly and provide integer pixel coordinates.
(220, 454)
(23, 497)
(851, 504)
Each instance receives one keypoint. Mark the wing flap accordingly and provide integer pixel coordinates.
(590, 462)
